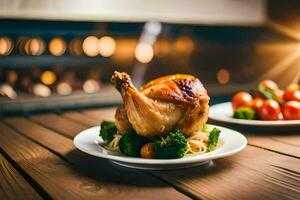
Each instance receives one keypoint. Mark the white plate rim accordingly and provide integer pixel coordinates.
(226, 116)
(225, 132)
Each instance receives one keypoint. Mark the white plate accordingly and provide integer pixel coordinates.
(230, 143)
(223, 113)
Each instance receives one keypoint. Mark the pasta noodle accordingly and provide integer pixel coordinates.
(197, 143)
(113, 145)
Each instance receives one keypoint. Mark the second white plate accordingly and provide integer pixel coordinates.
(223, 113)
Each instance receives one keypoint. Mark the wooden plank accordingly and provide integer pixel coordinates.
(81, 118)
(70, 124)
(67, 126)
(12, 184)
(60, 124)
(135, 182)
(290, 139)
(283, 143)
(252, 173)
(55, 176)
(100, 113)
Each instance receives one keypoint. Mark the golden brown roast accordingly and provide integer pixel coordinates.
(173, 101)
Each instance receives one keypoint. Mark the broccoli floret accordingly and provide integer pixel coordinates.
(206, 128)
(131, 143)
(174, 145)
(244, 113)
(107, 131)
(213, 139)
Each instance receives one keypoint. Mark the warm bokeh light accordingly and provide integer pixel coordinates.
(289, 31)
(41, 90)
(90, 46)
(283, 62)
(64, 88)
(106, 46)
(161, 48)
(184, 45)
(34, 46)
(7, 90)
(6, 46)
(57, 46)
(12, 76)
(91, 86)
(124, 54)
(144, 52)
(75, 47)
(48, 77)
(223, 76)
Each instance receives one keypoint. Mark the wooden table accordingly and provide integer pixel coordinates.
(39, 161)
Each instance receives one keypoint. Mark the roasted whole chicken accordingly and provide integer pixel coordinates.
(168, 102)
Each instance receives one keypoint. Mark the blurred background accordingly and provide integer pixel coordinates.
(60, 54)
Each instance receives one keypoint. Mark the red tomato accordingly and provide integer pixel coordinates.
(269, 85)
(279, 95)
(292, 92)
(296, 96)
(291, 110)
(257, 103)
(270, 110)
(241, 99)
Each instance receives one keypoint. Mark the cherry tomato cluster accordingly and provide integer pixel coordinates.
(270, 102)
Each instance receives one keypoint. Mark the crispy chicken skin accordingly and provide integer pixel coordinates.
(165, 103)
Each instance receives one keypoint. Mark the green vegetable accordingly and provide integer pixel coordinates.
(268, 94)
(174, 145)
(244, 113)
(213, 139)
(206, 128)
(131, 143)
(107, 131)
